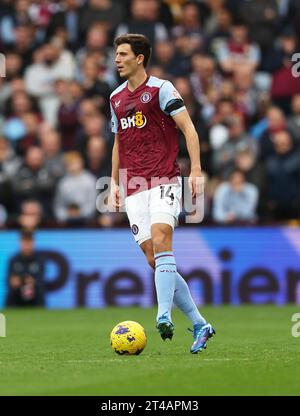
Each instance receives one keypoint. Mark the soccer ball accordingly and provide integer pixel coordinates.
(128, 338)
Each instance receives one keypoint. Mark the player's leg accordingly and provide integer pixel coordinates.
(165, 276)
(165, 207)
(147, 248)
(182, 295)
(138, 215)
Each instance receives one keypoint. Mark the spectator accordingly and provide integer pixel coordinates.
(68, 112)
(106, 11)
(87, 109)
(276, 122)
(167, 59)
(9, 165)
(189, 27)
(235, 201)
(218, 29)
(92, 126)
(94, 86)
(24, 44)
(238, 50)
(26, 276)
(6, 24)
(13, 66)
(245, 93)
(229, 59)
(262, 17)
(284, 84)
(20, 104)
(280, 54)
(96, 160)
(204, 76)
(96, 47)
(33, 180)
(283, 178)
(50, 141)
(245, 161)
(18, 107)
(40, 13)
(31, 215)
(76, 192)
(67, 20)
(21, 12)
(293, 15)
(144, 19)
(219, 132)
(31, 122)
(51, 65)
(223, 157)
(293, 122)
(9, 88)
(9, 162)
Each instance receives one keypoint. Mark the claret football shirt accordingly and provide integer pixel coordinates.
(148, 136)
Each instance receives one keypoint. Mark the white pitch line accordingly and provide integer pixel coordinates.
(118, 359)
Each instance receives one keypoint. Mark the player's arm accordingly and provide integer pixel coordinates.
(185, 124)
(172, 104)
(114, 186)
(115, 161)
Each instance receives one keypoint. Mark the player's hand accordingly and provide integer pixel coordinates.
(115, 195)
(196, 182)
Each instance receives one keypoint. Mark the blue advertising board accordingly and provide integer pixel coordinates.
(97, 268)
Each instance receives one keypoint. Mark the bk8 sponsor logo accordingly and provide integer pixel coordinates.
(137, 120)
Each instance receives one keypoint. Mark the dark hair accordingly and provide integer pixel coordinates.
(140, 45)
(238, 22)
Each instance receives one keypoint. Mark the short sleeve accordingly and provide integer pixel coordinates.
(114, 120)
(170, 100)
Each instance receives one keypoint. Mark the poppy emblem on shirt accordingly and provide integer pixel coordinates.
(146, 97)
(176, 94)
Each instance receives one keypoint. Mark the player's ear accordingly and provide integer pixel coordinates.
(140, 59)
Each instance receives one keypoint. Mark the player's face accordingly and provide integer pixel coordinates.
(126, 61)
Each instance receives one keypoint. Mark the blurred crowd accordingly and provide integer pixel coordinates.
(232, 62)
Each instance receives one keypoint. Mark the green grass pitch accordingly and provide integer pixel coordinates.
(67, 352)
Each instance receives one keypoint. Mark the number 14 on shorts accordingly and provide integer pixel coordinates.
(167, 193)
